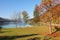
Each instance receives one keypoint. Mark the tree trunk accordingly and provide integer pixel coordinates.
(16, 24)
(50, 28)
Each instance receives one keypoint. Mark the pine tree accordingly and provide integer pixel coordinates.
(36, 15)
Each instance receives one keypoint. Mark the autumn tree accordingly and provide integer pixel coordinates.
(49, 4)
(25, 16)
(51, 13)
(58, 16)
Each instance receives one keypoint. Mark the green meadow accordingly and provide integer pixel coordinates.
(27, 33)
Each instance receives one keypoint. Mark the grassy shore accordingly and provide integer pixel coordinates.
(26, 33)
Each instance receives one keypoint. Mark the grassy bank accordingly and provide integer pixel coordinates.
(25, 33)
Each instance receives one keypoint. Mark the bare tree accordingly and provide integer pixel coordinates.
(16, 18)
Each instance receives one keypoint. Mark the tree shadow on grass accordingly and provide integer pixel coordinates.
(14, 37)
(4, 31)
(1, 32)
(57, 29)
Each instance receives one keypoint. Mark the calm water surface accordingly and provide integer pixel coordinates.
(13, 25)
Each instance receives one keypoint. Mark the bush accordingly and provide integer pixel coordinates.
(0, 28)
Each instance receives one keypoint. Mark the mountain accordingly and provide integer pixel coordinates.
(4, 20)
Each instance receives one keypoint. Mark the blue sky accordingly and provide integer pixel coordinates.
(8, 7)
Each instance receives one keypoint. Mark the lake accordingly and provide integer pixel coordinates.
(13, 25)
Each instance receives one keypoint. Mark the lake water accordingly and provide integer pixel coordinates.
(13, 25)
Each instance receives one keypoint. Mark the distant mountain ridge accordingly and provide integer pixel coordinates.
(4, 20)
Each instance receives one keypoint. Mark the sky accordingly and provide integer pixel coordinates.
(8, 7)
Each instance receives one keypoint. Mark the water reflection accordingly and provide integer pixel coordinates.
(3, 23)
(13, 25)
